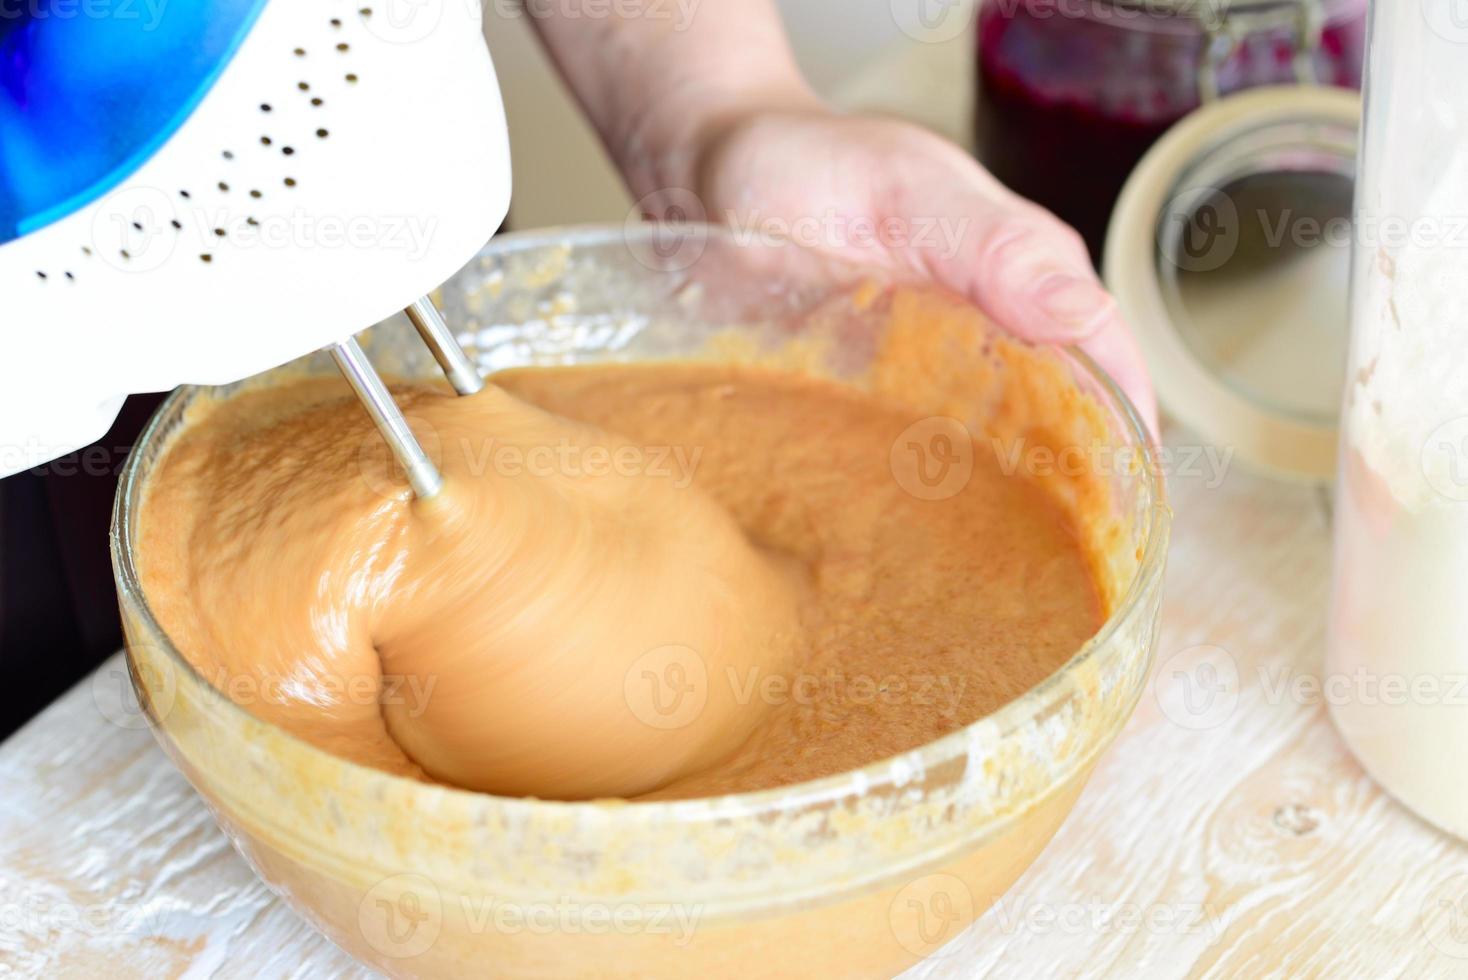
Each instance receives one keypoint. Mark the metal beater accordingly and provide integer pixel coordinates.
(423, 476)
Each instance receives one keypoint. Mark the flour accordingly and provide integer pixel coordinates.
(1399, 621)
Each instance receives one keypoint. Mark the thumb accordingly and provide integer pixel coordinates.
(1030, 273)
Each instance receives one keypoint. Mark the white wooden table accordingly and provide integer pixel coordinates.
(1228, 833)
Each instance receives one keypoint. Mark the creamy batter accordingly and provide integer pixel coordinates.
(666, 580)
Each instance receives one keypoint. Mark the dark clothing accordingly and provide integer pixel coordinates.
(58, 606)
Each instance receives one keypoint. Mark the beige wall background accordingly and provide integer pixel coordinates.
(852, 50)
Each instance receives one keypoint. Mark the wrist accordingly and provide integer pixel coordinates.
(668, 145)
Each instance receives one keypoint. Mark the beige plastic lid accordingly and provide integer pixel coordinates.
(1230, 254)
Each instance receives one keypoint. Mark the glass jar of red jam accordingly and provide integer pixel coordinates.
(1073, 92)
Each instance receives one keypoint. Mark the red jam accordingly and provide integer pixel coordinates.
(1072, 93)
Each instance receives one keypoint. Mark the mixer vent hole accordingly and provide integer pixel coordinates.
(224, 187)
(41, 275)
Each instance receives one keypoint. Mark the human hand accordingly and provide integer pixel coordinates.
(936, 213)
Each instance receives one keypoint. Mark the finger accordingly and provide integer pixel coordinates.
(1030, 273)
(1114, 348)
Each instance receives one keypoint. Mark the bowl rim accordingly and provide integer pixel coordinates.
(1034, 703)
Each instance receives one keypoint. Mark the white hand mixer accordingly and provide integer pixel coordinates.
(192, 193)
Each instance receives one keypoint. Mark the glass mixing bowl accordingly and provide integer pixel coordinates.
(859, 874)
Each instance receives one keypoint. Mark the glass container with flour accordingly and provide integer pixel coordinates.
(1397, 666)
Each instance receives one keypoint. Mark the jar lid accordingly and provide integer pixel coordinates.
(1229, 252)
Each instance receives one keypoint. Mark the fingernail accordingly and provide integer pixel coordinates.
(1074, 301)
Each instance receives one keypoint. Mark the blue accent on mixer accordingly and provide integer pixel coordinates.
(90, 89)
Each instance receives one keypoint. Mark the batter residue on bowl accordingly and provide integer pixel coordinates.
(649, 580)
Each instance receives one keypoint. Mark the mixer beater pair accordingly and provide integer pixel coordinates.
(423, 475)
